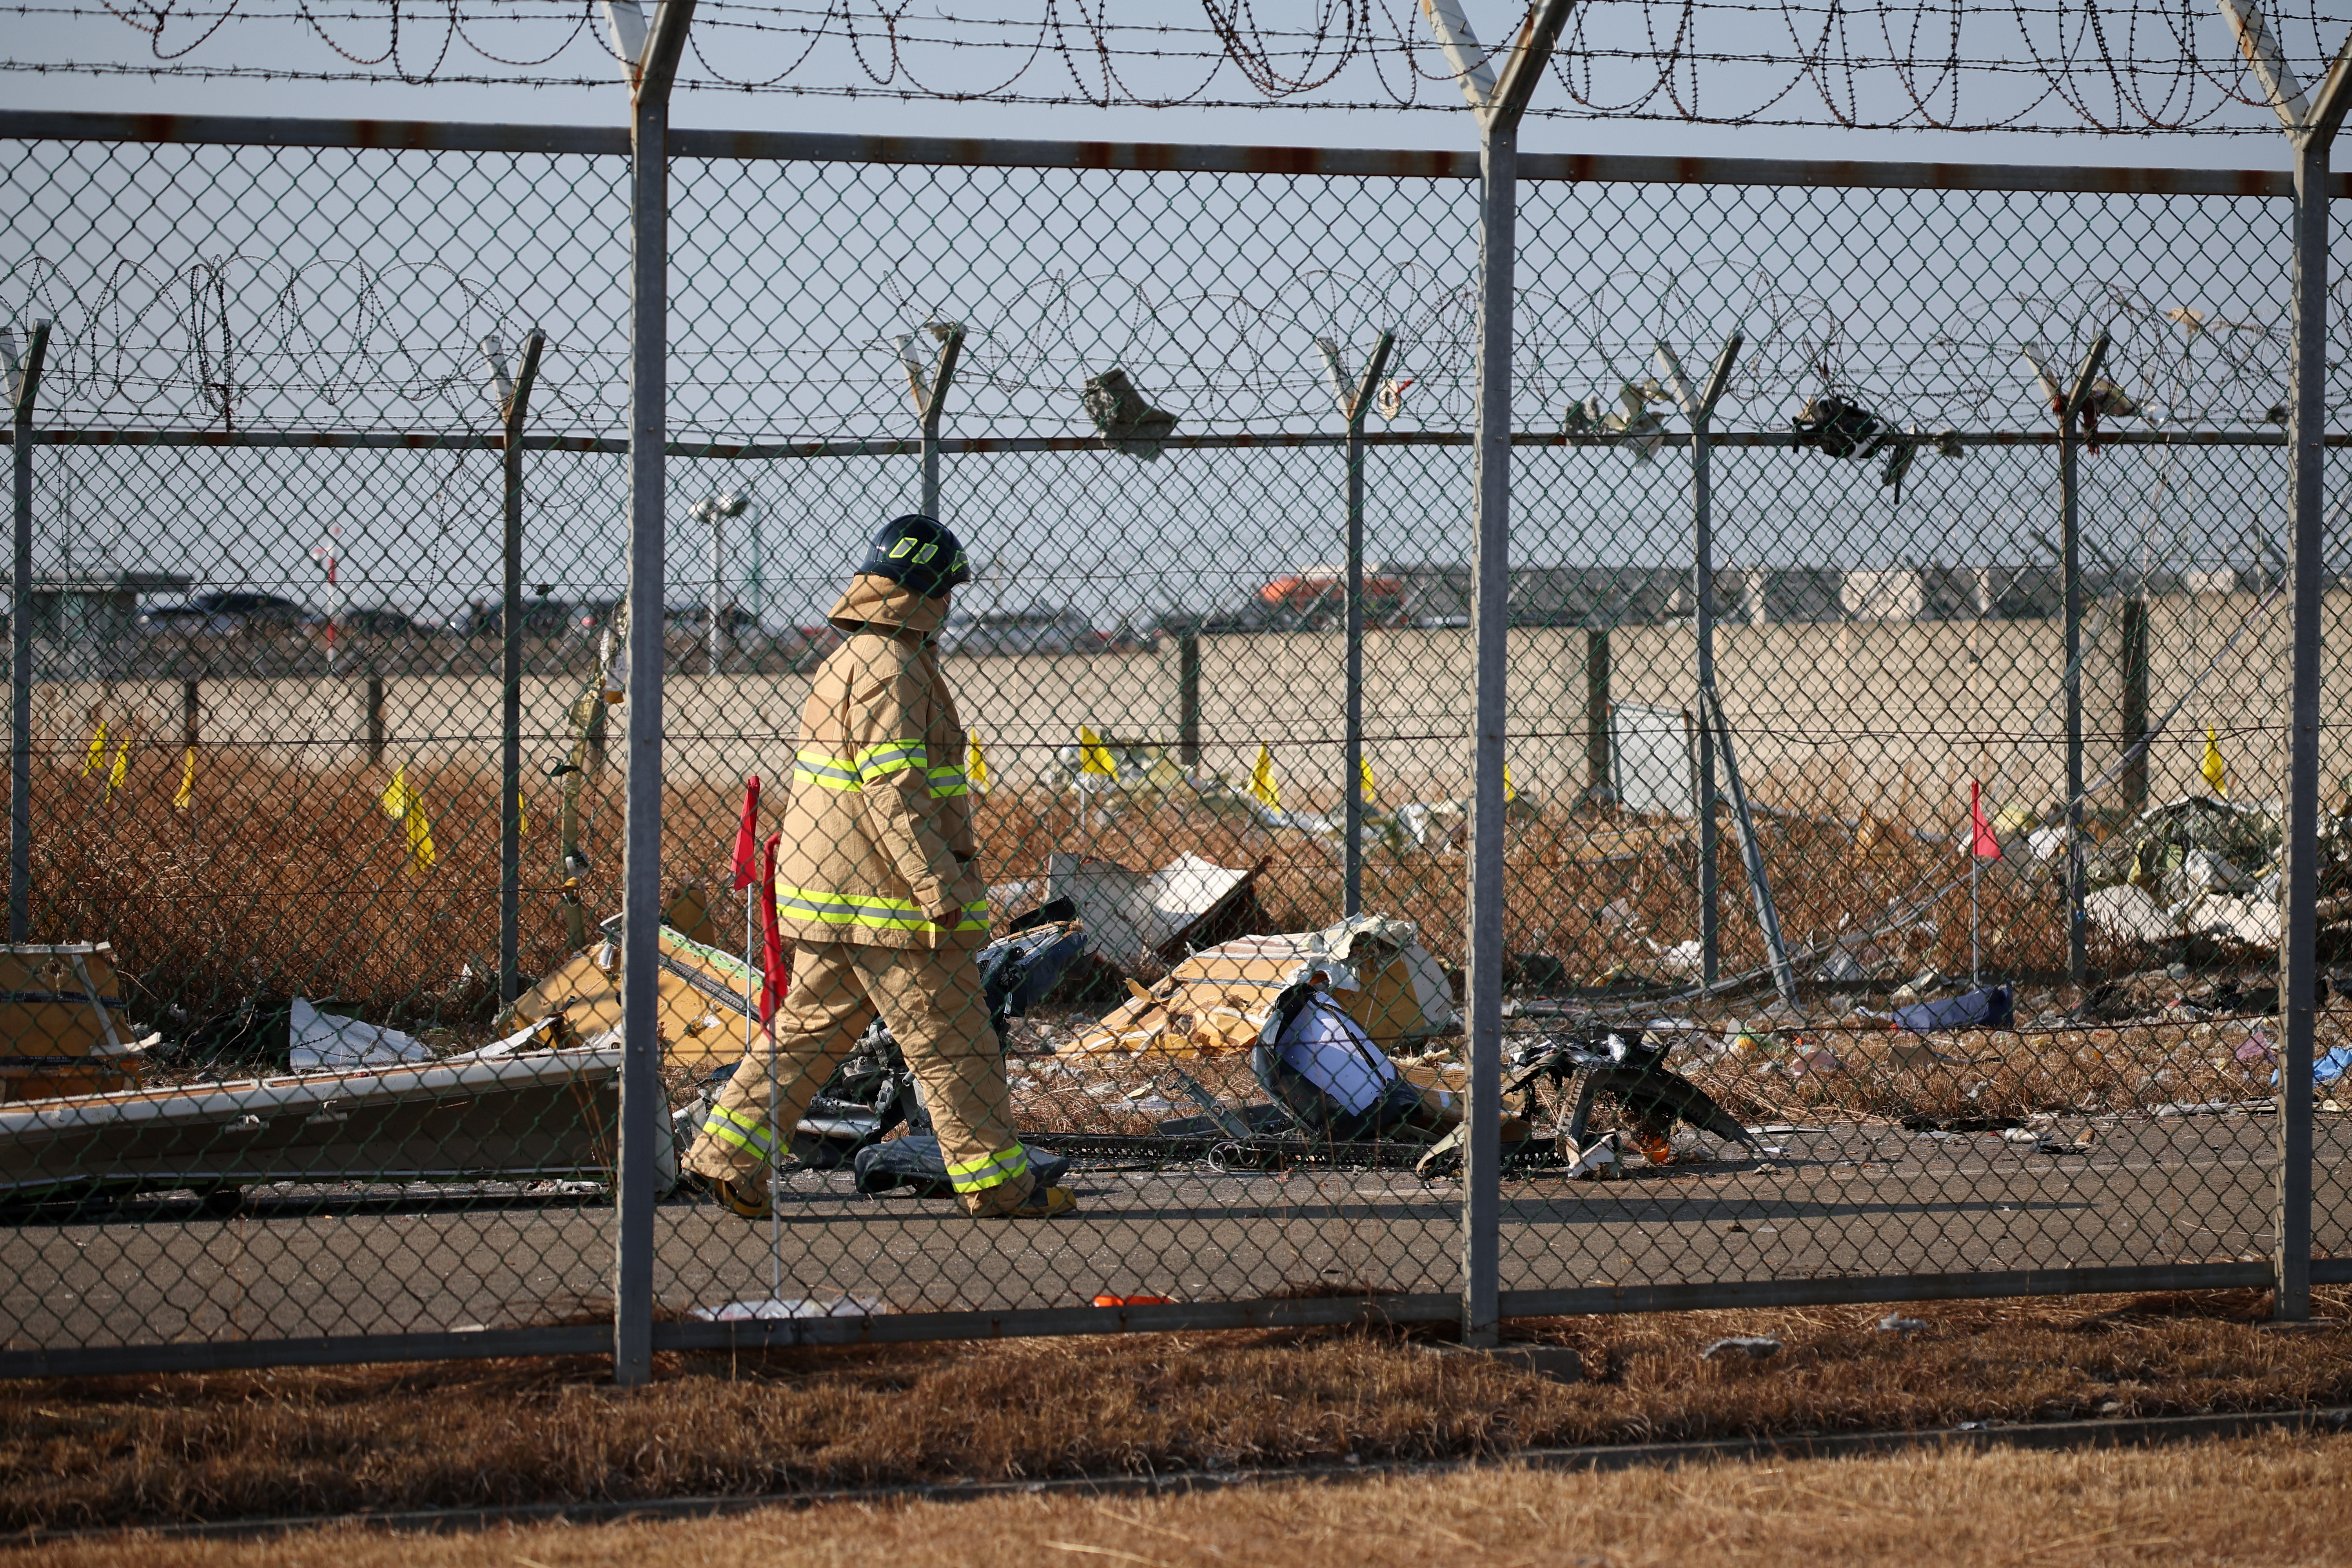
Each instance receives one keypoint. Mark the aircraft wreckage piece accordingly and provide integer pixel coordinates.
(521, 1116)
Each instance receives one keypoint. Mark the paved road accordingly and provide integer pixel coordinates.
(1839, 1199)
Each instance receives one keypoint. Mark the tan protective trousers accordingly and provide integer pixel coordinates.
(933, 1002)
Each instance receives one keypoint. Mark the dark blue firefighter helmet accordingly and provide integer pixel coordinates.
(917, 552)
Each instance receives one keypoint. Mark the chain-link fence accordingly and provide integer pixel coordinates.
(313, 1045)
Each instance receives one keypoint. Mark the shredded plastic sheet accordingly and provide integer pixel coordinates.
(792, 1306)
(2192, 866)
(1128, 915)
(322, 1041)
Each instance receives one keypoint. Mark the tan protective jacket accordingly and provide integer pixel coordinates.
(877, 839)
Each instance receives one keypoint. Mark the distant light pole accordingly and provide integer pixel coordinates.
(329, 557)
(756, 581)
(711, 510)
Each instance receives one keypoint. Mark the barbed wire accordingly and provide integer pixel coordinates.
(241, 341)
(2121, 67)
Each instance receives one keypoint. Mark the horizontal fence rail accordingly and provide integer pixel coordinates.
(965, 446)
(750, 146)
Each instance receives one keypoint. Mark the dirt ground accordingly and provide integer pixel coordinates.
(131, 1450)
(2268, 1500)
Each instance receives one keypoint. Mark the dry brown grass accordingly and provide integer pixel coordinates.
(280, 881)
(2069, 1075)
(153, 1449)
(2276, 1499)
(283, 879)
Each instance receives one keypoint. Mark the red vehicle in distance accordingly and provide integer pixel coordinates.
(1317, 600)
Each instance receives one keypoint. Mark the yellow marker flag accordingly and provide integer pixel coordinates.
(522, 813)
(1093, 757)
(975, 773)
(1262, 785)
(405, 806)
(97, 754)
(187, 792)
(1510, 790)
(121, 768)
(2215, 774)
(1372, 791)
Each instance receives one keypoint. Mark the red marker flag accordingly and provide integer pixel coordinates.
(774, 981)
(746, 836)
(1982, 844)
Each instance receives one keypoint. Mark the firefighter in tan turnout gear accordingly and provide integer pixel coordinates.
(875, 887)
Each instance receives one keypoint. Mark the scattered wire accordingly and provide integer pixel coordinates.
(236, 341)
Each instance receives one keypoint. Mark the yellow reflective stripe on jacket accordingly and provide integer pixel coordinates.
(745, 1132)
(876, 914)
(890, 757)
(824, 768)
(989, 1171)
(946, 782)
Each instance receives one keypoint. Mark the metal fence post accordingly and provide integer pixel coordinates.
(600, 727)
(2134, 721)
(1699, 404)
(655, 65)
(930, 391)
(2299, 911)
(515, 408)
(1598, 775)
(2069, 575)
(2299, 933)
(1490, 634)
(1188, 695)
(714, 608)
(23, 395)
(1499, 104)
(2070, 553)
(1355, 395)
(1710, 912)
(372, 721)
(2311, 126)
